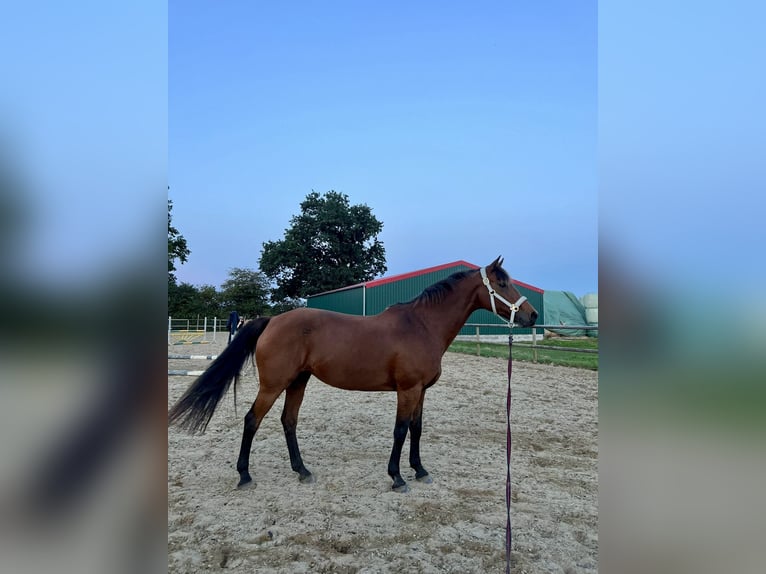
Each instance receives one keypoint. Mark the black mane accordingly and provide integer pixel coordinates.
(438, 291)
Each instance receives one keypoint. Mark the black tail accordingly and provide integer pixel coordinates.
(195, 408)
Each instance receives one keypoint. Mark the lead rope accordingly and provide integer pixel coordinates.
(508, 534)
(512, 308)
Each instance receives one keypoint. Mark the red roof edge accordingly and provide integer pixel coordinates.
(528, 286)
(384, 280)
(401, 276)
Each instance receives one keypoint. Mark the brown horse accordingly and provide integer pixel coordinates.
(398, 350)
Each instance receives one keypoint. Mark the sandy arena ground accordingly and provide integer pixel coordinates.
(350, 521)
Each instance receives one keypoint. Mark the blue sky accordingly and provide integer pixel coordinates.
(470, 130)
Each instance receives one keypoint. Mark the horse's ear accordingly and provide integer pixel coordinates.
(497, 262)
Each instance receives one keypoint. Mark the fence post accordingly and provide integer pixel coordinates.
(534, 344)
(169, 320)
(478, 342)
(215, 327)
(204, 337)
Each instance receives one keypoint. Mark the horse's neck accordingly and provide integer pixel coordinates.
(447, 317)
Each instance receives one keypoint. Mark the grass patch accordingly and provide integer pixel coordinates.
(544, 354)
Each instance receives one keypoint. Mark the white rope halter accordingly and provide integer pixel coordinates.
(513, 307)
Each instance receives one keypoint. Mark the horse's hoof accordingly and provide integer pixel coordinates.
(425, 479)
(245, 484)
(307, 479)
(401, 488)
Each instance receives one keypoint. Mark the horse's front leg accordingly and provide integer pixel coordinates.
(293, 399)
(406, 404)
(416, 430)
(400, 433)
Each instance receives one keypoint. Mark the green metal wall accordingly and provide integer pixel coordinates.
(381, 296)
(343, 301)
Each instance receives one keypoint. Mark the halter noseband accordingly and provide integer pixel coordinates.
(513, 307)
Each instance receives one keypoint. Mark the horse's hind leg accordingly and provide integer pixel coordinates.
(293, 400)
(416, 430)
(263, 402)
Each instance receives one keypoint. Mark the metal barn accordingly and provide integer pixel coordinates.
(372, 297)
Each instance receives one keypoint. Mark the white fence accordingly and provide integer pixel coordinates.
(203, 330)
(195, 331)
(529, 340)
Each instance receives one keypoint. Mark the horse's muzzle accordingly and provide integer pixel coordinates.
(527, 319)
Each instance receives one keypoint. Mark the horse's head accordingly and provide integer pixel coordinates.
(502, 298)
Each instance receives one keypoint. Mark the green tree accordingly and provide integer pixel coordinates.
(181, 299)
(177, 248)
(331, 244)
(209, 301)
(245, 291)
(187, 301)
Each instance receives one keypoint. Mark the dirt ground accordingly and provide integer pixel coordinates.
(350, 521)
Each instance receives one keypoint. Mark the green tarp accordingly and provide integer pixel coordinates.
(564, 308)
